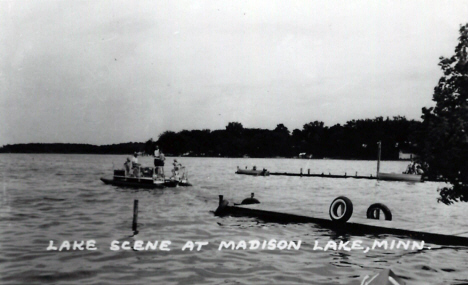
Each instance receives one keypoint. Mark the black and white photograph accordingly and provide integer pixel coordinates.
(234, 142)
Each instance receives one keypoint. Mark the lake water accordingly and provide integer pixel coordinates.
(60, 198)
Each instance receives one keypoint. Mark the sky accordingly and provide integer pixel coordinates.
(104, 72)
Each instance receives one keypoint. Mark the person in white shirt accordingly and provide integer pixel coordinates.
(135, 165)
(135, 158)
(159, 161)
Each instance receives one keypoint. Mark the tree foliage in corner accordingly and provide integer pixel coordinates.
(445, 145)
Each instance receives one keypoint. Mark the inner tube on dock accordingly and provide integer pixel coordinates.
(373, 212)
(341, 209)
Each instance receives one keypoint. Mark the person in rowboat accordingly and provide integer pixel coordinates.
(419, 170)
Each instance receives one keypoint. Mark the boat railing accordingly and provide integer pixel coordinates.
(183, 173)
(178, 173)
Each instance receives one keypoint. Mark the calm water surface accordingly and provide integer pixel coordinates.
(60, 197)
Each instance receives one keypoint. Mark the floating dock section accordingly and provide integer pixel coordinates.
(355, 176)
(356, 225)
(329, 175)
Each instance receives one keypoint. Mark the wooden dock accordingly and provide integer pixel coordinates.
(378, 173)
(356, 225)
(329, 175)
(323, 175)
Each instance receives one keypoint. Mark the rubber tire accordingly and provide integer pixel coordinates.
(385, 210)
(348, 212)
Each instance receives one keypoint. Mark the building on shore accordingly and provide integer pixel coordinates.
(406, 155)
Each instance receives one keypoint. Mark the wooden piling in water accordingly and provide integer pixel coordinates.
(135, 216)
(378, 158)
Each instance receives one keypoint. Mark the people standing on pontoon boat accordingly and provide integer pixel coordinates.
(156, 153)
(177, 167)
(135, 165)
(158, 161)
(135, 158)
(128, 167)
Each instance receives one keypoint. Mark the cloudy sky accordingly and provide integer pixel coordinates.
(106, 72)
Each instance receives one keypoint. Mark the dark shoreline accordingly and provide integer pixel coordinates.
(357, 139)
(190, 156)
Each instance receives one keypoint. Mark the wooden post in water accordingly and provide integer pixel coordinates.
(378, 158)
(308, 171)
(135, 216)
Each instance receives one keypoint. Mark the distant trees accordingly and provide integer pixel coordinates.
(172, 143)
(281, 129)
(280, 142)
(149, 146)
(357, 139)
(234, 128)
(122, 148)
(313, 135)
(444, 146)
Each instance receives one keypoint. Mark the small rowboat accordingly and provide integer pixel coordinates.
(253, 172)
(399, 177)
(395, 176)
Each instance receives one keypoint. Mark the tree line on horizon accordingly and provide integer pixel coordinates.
(357, 139)
(73, 148)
